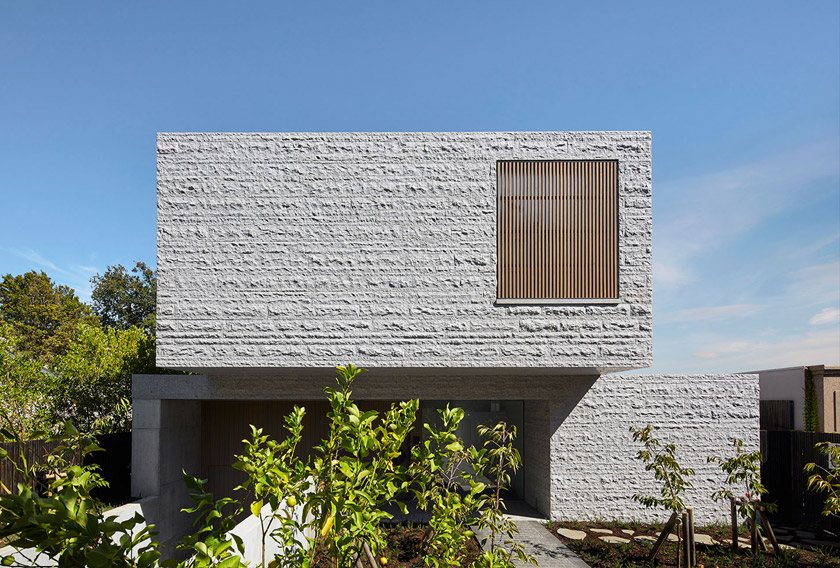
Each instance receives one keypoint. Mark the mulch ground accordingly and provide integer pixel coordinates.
(599, 554)
(405, 549)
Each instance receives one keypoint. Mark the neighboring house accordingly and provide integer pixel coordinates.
(783, 397)
(509, 273)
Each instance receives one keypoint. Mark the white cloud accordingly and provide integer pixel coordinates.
(815, 348)
(814, 285)
(76, 276)
(35, 258)
(705, 355)
(827, 315)
(702, 214)
(709, 313)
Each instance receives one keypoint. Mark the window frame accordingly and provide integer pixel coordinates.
(550, 180)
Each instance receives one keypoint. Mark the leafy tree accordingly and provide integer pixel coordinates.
(95, 374)
(44, 315)
(24, 385)
(122, 299)
(661, 459)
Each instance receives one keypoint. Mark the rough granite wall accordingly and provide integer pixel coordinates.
(593, 470)
(311, 249)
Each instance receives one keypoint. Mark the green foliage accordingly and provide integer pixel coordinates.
(354, 473)
(95, 374)
(810, 412)
(443, 482)
(25, 386)
(662, 460)
(742, 470)
(276, 478)
(123, 300)
(65, 521)
(43, 315)
(58, 364)
(332, 505)
(502, 461)
(211, 544)
(827, 479)
(84, 385)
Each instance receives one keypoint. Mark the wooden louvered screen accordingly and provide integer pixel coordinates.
(557, 229)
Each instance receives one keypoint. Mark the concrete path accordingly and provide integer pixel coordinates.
(546, 549)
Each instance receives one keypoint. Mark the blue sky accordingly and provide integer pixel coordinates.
(743, 99)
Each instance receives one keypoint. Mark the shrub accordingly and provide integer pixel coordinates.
(661, 459)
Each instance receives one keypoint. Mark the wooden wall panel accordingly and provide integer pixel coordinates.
(557, 229)
(226, 423)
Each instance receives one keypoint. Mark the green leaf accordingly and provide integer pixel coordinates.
(256, 507)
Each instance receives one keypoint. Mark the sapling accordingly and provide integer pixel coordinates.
(440, 468)
(661, 459)
(502, 460)
(827, 479)
(275, 477)
(742, 470)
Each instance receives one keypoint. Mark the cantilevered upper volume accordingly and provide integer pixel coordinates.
(511, 250)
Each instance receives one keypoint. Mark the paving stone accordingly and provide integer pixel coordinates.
(571, 534)
(704, 539)
(615, 539)
(631, 532)
(805, 534)
(602, 531)
(672, 537)
(786, 546)
(784, 537)
(645, 538)
(819, 543)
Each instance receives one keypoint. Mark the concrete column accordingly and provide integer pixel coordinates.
(166, 439)
(535, 455)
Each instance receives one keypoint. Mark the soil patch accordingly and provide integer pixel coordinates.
(405, 548)
(600, 554)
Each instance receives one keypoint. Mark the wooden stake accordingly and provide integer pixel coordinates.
(761, 544)
(369, 554)
(662, 536)
(770, 532)
(691, 545)
(686, 543)
(679, 542)
(734, 524)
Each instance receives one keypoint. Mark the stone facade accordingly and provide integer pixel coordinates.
(304, 250)
(282, 255)
(594, 473)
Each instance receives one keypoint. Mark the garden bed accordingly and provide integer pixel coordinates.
(717, 554)
(405, 548)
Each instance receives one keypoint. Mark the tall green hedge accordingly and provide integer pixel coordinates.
(810, 413)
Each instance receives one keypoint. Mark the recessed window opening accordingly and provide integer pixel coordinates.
(557, 230)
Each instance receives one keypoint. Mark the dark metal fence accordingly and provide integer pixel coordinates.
(785, 456)
(114, 464)
(776, 415)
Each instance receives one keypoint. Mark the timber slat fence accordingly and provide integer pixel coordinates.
(35, 452)
(785, 455)
(114, 464)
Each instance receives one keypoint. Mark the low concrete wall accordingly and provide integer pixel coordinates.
(166, 440)
(147, 507)
(594, 473)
